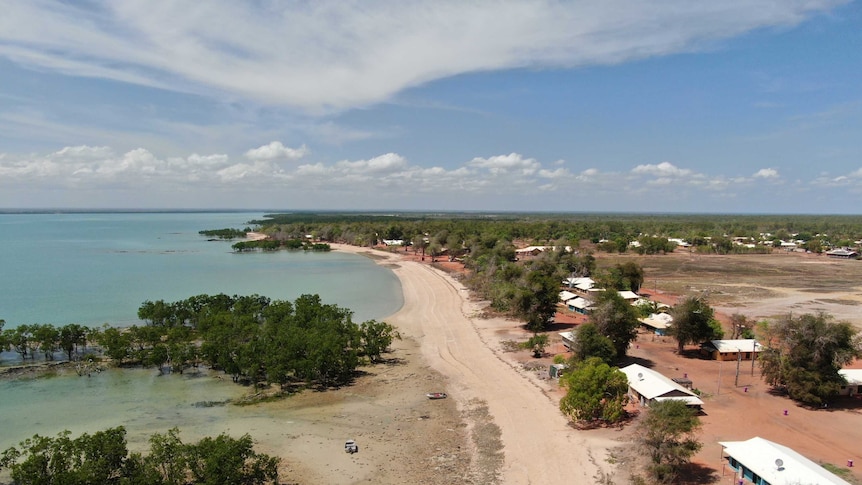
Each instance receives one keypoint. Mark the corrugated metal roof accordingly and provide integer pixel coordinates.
(652, 385)
(853, 376)
(657, 320)
(567, 295)
(581, 303)
(761, 456)
(739, 345)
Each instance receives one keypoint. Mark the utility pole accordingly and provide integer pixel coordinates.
(718, 393)
(738, 360)
(753, 355)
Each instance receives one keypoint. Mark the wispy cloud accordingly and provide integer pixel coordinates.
(322, 56)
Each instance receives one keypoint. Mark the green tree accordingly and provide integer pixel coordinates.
(20, 339)
(71, 336)
(47, 337)
(220, 460)
(4, 343)
(691, 322)
(589, 342)
(115, 344)
(96, 458)
(616, 319)
(376, 338)
(632, 275)
(668, 435)
(537, 343)
(595, 391)
(537, 296)
(804, 354)
(103, 458)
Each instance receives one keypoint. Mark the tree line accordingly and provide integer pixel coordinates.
(618, 230)
(104, 458)
(254, 339)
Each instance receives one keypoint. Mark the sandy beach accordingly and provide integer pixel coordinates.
(500, 422)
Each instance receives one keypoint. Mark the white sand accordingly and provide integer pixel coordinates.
(539, 445)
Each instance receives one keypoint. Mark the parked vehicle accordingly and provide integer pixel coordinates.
(351, 447)
(436, 395)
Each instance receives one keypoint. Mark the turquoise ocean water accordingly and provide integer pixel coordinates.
(95, 268)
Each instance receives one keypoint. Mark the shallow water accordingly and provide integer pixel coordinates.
(97, 268)
(139, 399)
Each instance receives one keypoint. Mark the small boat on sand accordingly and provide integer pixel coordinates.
(436, 395)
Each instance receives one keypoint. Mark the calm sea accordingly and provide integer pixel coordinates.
(97, 268)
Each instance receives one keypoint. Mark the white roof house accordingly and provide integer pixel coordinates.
(739, 345)
(566, 296)
(853, 376)
(776, 464)
(628, 295)
(854, 382)
(581, 305)
(658, 322)
(648, 385)
(583, 283)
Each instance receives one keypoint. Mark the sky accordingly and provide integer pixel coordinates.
(738, 106)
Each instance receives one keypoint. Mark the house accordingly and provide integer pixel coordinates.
(647, 386)
(729, 349)
(566, 296)
(582, 284)
(580, 305)
(842, 253)
(657, 322)
(629, 296)
(529, 251)
(762, 462)
(393, 242)
(854, 382)
(679, 242)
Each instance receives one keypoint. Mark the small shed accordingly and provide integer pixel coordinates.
(556, 370)
(568, 339)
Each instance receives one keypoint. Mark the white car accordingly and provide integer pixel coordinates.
(351, 447)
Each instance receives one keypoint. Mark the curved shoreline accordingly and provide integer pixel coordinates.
(539, 445)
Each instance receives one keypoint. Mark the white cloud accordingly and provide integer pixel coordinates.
(275, 150)
(384, 163)
(341, 55)
(663, 170)
(766, 173)
(83, 152)
(83, 170)
(502, 164)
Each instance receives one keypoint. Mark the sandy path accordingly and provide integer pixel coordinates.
(539, 446)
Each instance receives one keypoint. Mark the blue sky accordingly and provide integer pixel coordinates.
(604, 105)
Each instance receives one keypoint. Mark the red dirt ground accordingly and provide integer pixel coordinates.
(733, 411)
